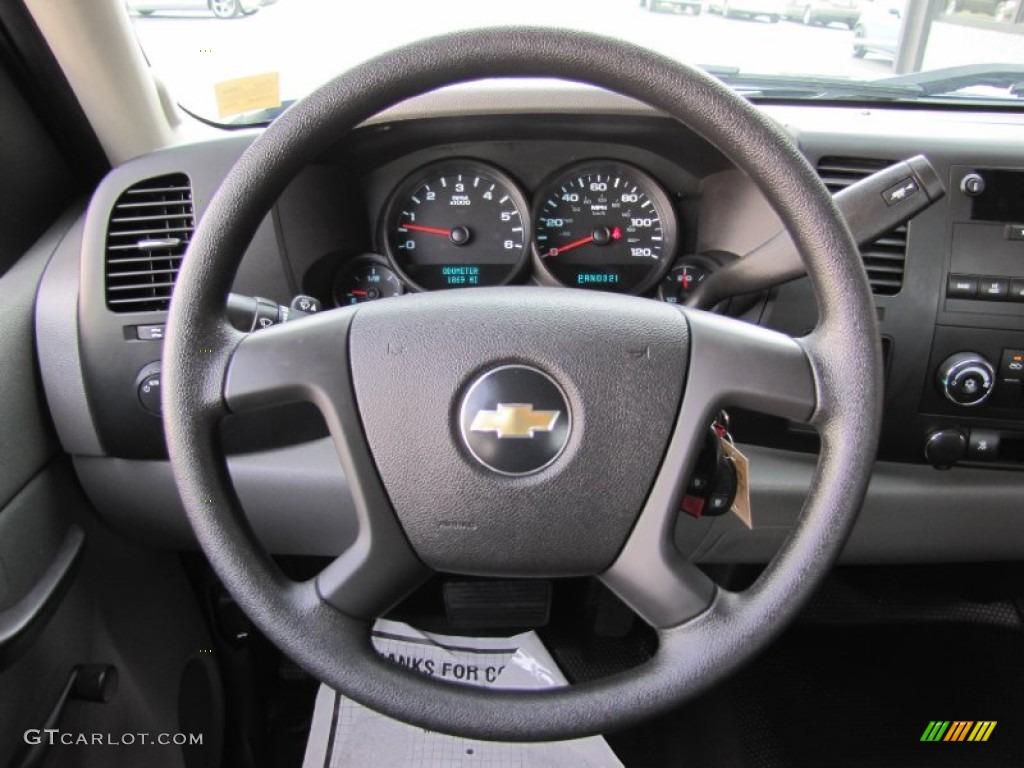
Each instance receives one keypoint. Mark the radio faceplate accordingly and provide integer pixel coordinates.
(972, 405)
(985, 270)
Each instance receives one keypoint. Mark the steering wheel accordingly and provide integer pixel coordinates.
(634, 384)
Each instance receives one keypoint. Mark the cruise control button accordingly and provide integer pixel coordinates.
(1016, 290)
(993, 288)
(983, 445)
(962, 287)
(1015, 231)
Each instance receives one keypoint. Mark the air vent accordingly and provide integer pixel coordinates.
(884, 258)
(150, 229)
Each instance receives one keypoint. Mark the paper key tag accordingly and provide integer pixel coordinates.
(741, 505)
(248, 94)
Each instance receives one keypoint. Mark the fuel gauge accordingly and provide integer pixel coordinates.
(365, 280)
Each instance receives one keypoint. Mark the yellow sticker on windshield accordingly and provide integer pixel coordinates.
(248, 94)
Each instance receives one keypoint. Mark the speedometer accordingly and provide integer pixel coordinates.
(606, 226)
(459, 224)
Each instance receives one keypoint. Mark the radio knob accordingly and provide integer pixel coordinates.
(966, 378)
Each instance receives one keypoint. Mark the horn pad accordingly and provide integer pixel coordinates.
(518, 431)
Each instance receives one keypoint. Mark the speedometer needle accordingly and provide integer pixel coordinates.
(428, 230)
(570, 246)
(600, 236)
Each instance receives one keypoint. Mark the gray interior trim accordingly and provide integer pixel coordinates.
(56, 319)
(521, 96)
(296, 499)
(26, 441)
(912, 514)
(867, 212)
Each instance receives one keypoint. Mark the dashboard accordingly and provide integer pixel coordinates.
(584, 189)
(576, 211)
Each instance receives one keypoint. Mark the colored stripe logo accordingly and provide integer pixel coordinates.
(958, 730)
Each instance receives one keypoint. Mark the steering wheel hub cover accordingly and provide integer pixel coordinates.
(475, 492)
(515, 420)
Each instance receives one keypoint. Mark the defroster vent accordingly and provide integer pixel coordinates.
(884, 258)
(150, 228)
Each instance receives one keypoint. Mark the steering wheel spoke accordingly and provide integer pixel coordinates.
(307, 361)
(302, 361)
(735, 364)
(731, 364)
(372, 575)
(664, 589)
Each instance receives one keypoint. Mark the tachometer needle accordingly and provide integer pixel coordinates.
(428, 230)
(570, 246)
(358, 293)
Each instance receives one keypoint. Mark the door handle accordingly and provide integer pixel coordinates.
(21, 623)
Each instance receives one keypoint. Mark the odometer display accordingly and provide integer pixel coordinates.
(457, 225)
(605, 226)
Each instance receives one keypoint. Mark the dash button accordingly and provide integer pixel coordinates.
(993, 288)
(962, 287)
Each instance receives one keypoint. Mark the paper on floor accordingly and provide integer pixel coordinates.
(348, 735)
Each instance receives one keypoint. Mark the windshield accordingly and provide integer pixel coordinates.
(242, 61)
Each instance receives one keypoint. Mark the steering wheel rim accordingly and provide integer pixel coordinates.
(702, 636)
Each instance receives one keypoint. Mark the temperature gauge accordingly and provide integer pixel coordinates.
(679, 283)
(365, 281)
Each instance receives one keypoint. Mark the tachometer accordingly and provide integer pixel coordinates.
(455, 225)
(606, 226)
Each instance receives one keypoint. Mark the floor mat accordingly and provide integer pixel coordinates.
(864, 696)
(857, 696)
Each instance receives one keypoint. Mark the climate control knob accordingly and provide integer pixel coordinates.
(966, 378)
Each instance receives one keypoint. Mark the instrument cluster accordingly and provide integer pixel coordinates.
(600, 225)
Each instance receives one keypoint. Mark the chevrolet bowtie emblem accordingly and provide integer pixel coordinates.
(514, 420)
